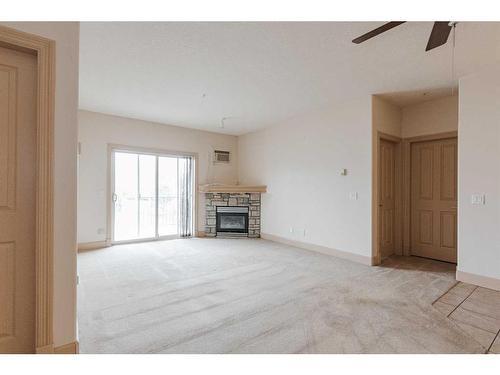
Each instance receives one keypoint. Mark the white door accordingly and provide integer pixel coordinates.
(145, 196)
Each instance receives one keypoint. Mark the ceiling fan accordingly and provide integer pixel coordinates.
(439, 34)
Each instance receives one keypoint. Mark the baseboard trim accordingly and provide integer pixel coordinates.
(484, 281)
(85, 246)
(47, 349)
(320, 249)
(71, 348)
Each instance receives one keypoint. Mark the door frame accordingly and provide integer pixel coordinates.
(44, 50)
(376, 252)
(407, 143)
(112, 147)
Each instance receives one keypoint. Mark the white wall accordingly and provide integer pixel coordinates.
(479, 172)
(430, 117)
(300, 162)
(97, 130)
(66, 35)
(386, 117)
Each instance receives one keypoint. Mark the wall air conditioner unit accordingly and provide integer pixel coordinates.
(221, 156)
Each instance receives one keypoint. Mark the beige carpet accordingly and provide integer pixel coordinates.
(257, 296)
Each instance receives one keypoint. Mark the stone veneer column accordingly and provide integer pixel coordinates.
(250, 200)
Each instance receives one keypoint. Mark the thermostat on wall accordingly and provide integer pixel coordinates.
(478, 199)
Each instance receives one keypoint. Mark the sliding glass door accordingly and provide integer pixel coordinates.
(168, 198)
(149, 196)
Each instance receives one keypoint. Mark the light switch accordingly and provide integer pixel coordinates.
(353, 195)
(478, 199)
(343, 172)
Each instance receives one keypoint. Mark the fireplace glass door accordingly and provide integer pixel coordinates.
(232, 220)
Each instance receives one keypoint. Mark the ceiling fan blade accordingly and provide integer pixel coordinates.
(377, 31)
(439, 34)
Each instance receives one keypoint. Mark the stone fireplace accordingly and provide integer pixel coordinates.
(230, 211)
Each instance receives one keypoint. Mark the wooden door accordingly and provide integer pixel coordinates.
(17, 200)
(387, 197)
(434, 199)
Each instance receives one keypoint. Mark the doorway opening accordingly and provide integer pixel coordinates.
(432, 165)
(152, 195)
(415, 174)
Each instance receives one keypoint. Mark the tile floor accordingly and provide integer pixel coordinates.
(476, 311)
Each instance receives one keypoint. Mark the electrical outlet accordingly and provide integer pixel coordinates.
(291, 230)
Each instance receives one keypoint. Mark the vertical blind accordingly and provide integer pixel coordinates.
(186, 196)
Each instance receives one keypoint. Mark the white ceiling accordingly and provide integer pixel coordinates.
(406, 98)
(257, 74)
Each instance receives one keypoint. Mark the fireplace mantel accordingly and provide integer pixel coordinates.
(221, 188)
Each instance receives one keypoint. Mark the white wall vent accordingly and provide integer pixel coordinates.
(221, 156)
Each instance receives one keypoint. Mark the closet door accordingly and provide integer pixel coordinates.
(434, 199)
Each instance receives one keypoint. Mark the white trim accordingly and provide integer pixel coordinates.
(84, 246)
(484, 281)
(147, 239)
(157, 162)
(320, 249)
(150, 151)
